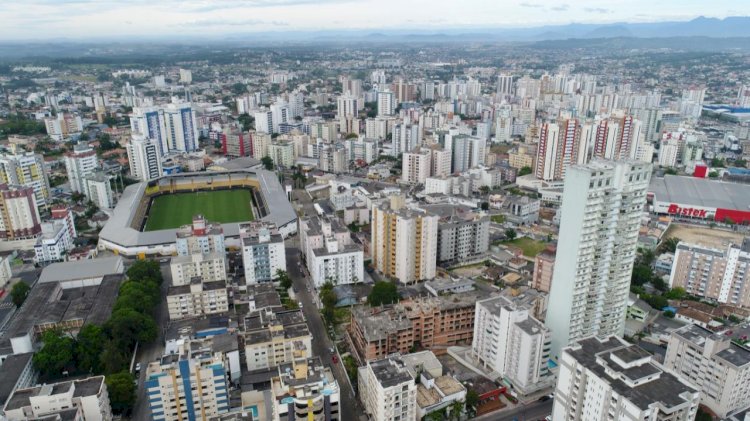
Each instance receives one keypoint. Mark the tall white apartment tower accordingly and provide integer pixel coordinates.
(601, 209)
(79, 163)
(504, 84)
(386, 103)
(144, 158)
(181, 126)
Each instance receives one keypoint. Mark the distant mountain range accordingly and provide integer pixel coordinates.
(730, 27)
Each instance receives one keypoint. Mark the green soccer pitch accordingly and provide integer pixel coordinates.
(223, 206)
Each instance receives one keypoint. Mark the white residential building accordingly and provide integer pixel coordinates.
(601, 210)
(387, 390)
(144, 158)
(441, 185)
(79, 163)
(197, 299)
(99, 190)
(386, 103)
(182, 127)
(276, 337)
(57, 237)
(416, 166)
(668, 152)
(63, 126)
(210, 267)
(717, 366)
(264, 122)
(329, 252)
(86, 400)
(263, 253)
(610, 379)
(510, 342)
(186, 76)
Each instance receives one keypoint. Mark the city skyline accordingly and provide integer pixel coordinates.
(79, 19)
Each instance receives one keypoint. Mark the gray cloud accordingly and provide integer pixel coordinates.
(531, 5)
(560, 8)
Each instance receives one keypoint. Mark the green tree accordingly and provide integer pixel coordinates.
(484, 190)
(247, 121)
(511, 234)
(145, 269)
(717, 163)
(284, 280)
(676, 293)
(526, 170)
(383, 292)
(267, 163)
(668, 314)
(713, 174)
(457, 409)
(703, 416)
(740, 163)
(485, 206)
(641, 275)
(89, 347)
(139, 296)
(128, 326)
(670, 171)
(329, 299)
(56, 355)
(472, 402)
(655, 301)
(669, 245)
(121, 391)
(113, 358)
(352, 136)
(19, 292)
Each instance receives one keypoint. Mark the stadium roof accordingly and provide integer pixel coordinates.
(118, 229)
(701, 192)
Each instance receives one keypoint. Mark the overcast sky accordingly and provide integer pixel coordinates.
(92, 19)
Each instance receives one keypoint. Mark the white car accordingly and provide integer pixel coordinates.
(300, 304)
(548, 418)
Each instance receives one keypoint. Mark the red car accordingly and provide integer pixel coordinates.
(335, 359)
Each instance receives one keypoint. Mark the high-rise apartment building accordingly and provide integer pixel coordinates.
(79, 163)
(275, 336)
(404, 241)
(719, 368)
(26, 169)
(504, 84)
(99, 190)
(263, 252)
(544, 266)
(387, 390)
(510, 342)
(386, 103)
(416, 166)
(719, 275)
(182, 128)
(468, 152)
(617, 138)
(63, 126)
(405, 137)
(330, 252)
(190, 384)
(264, 121)
(144, 158)
(601, 209)
(186, 76)
(305, 390)
(463, 235)
(558, 149)
(236, 143)
(282, 154)
(441, 162)
(610, 379)
(19, 214)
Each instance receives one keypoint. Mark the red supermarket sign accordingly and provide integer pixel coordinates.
(675, 209)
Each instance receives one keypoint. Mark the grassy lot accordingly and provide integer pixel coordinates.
(498, 219)
(530, 247)
(223, 206)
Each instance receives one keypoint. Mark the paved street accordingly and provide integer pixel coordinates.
(150, 352)
(532, 412)
(321, 343)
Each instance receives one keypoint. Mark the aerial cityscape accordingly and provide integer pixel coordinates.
(288, 210)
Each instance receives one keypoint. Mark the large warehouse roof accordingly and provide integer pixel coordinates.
(701, 192)
(118, 229)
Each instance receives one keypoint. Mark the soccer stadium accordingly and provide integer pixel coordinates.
(147, 216)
